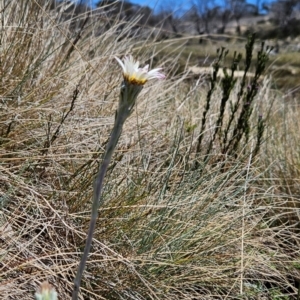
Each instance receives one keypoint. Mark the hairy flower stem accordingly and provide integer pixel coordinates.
(121, 116)
(134, 79)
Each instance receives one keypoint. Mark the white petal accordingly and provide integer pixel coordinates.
(121, 64)
(146, 68)
(155, 73)
(131, 70)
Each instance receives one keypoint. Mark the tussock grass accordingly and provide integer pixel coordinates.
(226, 229)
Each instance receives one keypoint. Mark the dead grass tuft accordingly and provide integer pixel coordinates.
(167, 230)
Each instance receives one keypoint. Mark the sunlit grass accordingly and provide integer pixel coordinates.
(174, 225)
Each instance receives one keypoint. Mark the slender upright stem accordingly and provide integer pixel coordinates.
(97, 201)
(134, 79)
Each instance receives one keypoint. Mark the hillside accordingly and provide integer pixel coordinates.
(201, 197)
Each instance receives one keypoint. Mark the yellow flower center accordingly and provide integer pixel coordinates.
(134, 80)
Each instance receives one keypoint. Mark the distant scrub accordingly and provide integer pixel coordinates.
(201, 199)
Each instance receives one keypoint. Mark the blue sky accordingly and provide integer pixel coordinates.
(175, 5)
(157, 4)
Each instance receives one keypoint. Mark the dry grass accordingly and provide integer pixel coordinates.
(167, 230)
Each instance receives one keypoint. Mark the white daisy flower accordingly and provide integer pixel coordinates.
(135, 75)
(46, 292)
